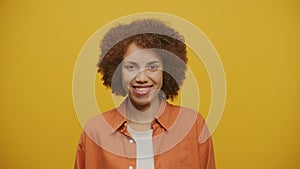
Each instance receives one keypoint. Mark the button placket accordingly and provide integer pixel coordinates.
(131, 141)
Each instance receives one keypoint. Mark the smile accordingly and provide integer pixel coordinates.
(142, 90)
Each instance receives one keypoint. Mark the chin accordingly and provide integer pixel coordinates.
(142, 101)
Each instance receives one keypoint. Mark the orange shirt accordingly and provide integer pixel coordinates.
(180, 141)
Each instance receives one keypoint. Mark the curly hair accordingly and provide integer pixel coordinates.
(145, 33)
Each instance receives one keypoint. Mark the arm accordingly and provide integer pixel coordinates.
(206, 154)
(205, 148)
(80, 153)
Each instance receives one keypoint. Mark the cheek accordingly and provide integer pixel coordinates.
(126, 79)
(158, 78)
(161, 79)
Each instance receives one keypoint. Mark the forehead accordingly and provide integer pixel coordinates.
(138, 54)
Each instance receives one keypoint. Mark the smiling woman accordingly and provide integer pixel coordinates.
(145, 131)
(142, 78)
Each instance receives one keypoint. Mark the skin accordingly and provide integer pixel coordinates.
(142, 79)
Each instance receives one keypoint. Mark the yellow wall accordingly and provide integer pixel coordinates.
(258, 42)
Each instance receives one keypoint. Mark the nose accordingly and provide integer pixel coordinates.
(141, 77)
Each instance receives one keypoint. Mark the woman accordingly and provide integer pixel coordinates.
(145, 61)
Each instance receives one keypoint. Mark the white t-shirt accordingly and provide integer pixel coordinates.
(144, 148)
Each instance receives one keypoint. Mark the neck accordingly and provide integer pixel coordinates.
(142, 114)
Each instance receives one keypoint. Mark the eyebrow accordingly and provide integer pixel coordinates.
(152, 62)
(149, 63)
(131, 62)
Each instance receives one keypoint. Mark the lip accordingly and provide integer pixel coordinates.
(142, 90)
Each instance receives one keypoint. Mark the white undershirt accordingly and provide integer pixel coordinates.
(144, 148)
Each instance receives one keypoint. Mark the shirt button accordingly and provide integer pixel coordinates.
(122, 130)
(130, 167)
(131, 141)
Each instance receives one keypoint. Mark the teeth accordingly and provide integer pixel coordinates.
(141, 89)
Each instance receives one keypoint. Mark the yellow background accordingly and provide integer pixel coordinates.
(258, 43)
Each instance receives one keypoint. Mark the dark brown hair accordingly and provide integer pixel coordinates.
(145, 33)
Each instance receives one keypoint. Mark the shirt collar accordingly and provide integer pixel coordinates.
(162, 116)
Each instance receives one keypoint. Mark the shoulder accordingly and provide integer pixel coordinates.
(186, 116)
(100, 120)
(184, 111)
(190, 116)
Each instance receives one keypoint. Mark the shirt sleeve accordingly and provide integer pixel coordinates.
(206, 155)
(80, 153)
(205, 148)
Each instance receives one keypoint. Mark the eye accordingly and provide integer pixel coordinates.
(130, 67)
(152, 68)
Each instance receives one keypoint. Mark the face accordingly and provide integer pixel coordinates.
(142, 75)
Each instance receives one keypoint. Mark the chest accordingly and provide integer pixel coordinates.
(170, 151)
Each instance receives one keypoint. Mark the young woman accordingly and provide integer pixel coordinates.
(145, 61)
